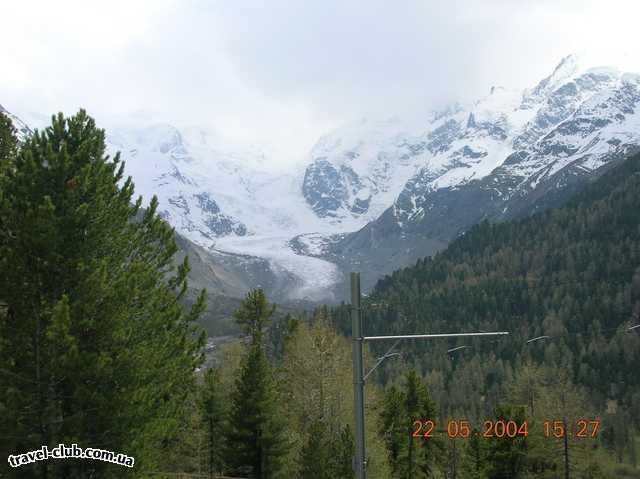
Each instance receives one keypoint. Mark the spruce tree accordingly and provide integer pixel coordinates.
(343, 452)
(409, 456)
(254, 314)
(213, 421)
(255, 439)
(101, 352)
(327, 456)
(474, 458)
(315, 455)
(506, 457)
(8, 141)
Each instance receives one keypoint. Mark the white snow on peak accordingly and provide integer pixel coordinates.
(566, 69)
(465, 143)
(227, 197)
(238, 199)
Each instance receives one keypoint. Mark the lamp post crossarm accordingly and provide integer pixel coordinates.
(431, 336)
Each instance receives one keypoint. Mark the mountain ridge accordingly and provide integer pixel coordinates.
(544, 154)
(378, 194)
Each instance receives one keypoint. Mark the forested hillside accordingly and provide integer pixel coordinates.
(571, 275)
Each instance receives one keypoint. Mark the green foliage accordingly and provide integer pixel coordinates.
(572, 274)
(255, 440)
(316, 383)
(254, 314)
(213, 416)
(342, 453)
(280, 333)
(99, 350)
(8, 141)
(506, 456)
(474, 464)
(409, 457)
(324, 456)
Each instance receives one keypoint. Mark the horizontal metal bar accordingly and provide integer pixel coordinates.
(432, 336)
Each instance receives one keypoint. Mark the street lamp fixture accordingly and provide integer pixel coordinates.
(537, 339)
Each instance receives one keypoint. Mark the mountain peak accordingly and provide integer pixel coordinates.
(567, 67)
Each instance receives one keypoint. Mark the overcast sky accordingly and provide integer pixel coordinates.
(285, 72)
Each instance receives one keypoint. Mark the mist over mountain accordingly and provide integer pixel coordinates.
(377, 194)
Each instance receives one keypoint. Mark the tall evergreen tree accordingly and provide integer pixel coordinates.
(8, 140)
(256, 444)
(101, 352)
(410, 457)
(327, 456)
(254, 314)
(343, 452)
(507, 455)
(315, 456)
(213, 421)
(474, 460)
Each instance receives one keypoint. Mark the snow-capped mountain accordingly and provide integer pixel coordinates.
(232, 201)
(509, 154)
(363, 169)
(568, 119)
(358, 170)
(376, 195)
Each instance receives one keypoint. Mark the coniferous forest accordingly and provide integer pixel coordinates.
(98, 347)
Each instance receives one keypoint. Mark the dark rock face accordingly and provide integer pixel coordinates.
(218, 223)
(328, 188)
(323, 188)
(441, 138)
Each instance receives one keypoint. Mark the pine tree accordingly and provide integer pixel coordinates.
(474, 460)
(327, 456)
(256, 445)
(254, 314)
(315, 456)
(342, 453)
(8, 141)
(213, 413)
(506, 457)
(391, 419)
(101, 351)
(409, 456)
(280, 333)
